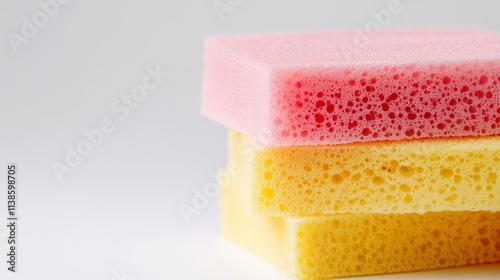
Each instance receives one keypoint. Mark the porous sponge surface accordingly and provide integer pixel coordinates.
(304, 89)
(362, 244)
(418, 176)
(362, 104)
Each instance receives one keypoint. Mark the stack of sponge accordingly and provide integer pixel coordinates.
(354, 159)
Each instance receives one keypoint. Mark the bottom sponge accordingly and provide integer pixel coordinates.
(362, 244)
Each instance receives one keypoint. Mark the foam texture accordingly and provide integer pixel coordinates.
(415, 176)
(362, 244)
(331, 88)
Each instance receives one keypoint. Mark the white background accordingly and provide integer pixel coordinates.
(117, 213)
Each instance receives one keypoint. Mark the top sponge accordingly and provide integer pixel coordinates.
(331, 88)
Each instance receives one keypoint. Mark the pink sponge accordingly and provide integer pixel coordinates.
(329, 88)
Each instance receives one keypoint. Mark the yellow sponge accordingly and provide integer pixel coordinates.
(396, 177)
(362, 244)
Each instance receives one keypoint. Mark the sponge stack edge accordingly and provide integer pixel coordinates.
(342, 245)
(384, 161)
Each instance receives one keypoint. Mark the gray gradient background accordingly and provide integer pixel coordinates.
(119, 208)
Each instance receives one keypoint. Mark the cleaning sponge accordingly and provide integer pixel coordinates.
(362, 244)
(418, 176)
(304, 89)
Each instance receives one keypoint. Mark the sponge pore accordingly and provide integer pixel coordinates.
(327, 88)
